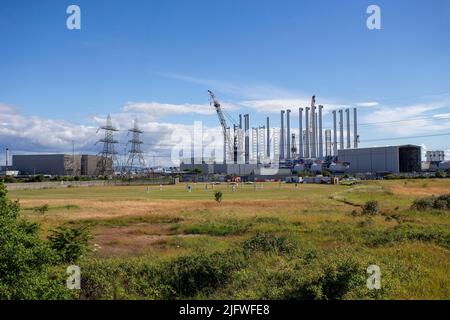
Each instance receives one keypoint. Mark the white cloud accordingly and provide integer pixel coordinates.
(157, 110)
(367, 104)
(275, 105)
(410, 119)
(27, 135)
(255, 91)
(443, 116)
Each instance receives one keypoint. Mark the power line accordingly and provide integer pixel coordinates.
(434, 117)
(409, 137)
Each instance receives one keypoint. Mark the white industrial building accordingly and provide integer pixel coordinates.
(435, 156)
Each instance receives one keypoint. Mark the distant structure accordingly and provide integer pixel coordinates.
(391, 159)
(108, 155)
(135, 162)
(435, 156)
(56, 164)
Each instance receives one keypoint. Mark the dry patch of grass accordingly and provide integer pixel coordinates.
(419, 191)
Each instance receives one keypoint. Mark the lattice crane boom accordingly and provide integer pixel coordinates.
(223, 122)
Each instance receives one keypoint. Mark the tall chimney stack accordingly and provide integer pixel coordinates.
(341, 129)
(282, 136)
(314, 131)
(320, 133)
(247, 138)
(347, 113)
(288, 133)
(268, 138)
(307, 144)
(355, 128)
(300, 134)
(335, 142)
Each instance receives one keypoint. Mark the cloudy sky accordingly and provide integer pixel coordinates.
(155, 61)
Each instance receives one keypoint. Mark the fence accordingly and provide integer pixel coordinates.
(94, 183)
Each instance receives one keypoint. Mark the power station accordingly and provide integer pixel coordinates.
(300, 143)
(313, 149)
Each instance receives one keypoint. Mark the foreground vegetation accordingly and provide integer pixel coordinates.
(275, 241)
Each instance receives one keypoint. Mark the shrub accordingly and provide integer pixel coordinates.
(231, 227)
(25, 260)
(370, 208)
(9, 179)
(440, 175)
(190, 275)
(407, 233)
(267, 242)
(324, 279)
(69, 243)
(422, 204)
(441, 203)
(445, 198)
(41, 209)
(99, 280)
(218, 196)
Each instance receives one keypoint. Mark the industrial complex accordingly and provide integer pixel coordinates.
(260, 152)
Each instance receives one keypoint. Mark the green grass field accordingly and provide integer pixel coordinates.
(275, 241)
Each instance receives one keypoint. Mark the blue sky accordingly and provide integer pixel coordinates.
(156, 59)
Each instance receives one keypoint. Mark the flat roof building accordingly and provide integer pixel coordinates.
(56, 164)
(435, 156)
(393, 159)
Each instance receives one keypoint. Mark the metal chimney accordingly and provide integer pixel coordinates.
(307, 153)
(341, 129)
(268, 138)
(7, 155)
(288, 133)
(282, 136)
(314, 131)
(300, 134)
(355, 128)
(247, 138)
(320, 133)
(347, 113)
(335, 143)
(328, 142)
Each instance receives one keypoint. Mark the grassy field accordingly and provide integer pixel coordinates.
(275, 241)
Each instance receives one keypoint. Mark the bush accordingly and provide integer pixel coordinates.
(440, 175)
(9, 179)
(184, 277)
(218, 196)
(407, 233)
(267, 242)
(441, 203)
(370, 208)
(224, 228)
(41, 209)
(422, 204)
(69, 243)
(190, 275)
(25, 260)
(323, 279)
(445, 198)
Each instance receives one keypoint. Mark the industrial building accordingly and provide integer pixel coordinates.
(392, 159)
(220, 168)
(258, 151)
(435, 156)
(56, 164)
